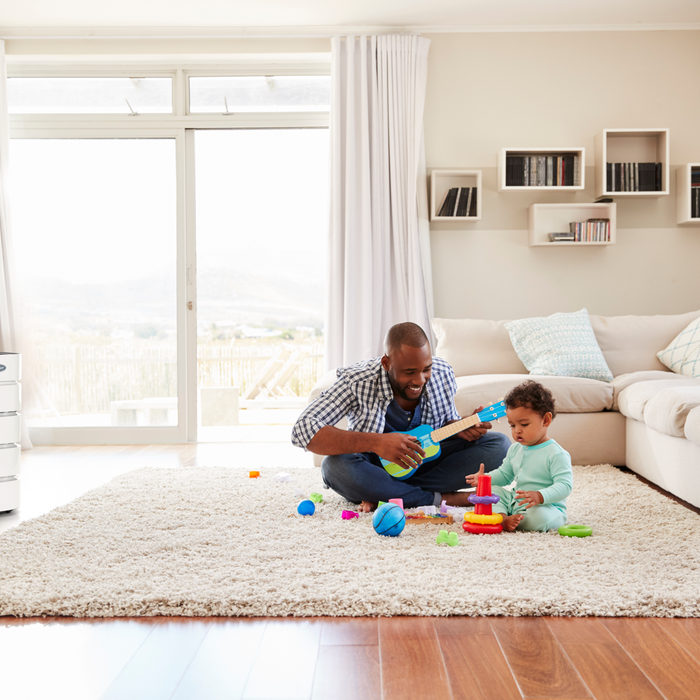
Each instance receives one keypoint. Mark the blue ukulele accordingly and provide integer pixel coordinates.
(430, 439)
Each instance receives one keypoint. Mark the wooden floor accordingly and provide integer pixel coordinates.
(322, 658)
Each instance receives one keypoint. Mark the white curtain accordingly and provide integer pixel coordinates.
(9, 315)
(379, 271)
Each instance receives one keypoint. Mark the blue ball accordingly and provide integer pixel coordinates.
(306, 508)
(389, 520)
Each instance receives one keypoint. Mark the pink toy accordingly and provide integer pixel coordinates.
(398, 501)
(349, 515)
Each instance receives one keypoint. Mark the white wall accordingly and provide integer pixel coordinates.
(489, 91)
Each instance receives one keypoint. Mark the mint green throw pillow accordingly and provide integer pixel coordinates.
(560, 345)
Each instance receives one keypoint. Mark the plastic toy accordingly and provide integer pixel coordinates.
(483, 520)
(350, 514)
(575, 531)
(389, 520)
(437, 519)
(398, 501)
(283, 477)
(253, 475)
(306, 508)
(316, 497)
(445, 537)
(380, 504)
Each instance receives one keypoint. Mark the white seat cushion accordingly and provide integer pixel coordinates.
(622, 381)
(633, 400)
(667, 411)
(571, 394)
(692, 426)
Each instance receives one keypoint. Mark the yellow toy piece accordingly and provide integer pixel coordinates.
(494, 519)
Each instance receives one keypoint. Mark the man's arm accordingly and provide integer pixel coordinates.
(394, 447)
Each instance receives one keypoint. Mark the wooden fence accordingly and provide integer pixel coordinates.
(81, 379)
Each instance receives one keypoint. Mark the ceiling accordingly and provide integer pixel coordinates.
(315, 17)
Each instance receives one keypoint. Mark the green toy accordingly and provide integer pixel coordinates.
(445, 537)
(316, 497)
(575, 531)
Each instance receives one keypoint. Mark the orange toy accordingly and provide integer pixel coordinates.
(483, 520)
(253, 475)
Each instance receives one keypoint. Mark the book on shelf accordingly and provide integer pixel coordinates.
(590, 231)
(556, 236)
(542, 171)
(695, 193)
(459, 202)
(634, 177)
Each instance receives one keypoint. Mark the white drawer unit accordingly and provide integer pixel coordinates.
(10, 430)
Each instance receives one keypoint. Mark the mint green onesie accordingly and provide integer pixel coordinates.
(545, 468)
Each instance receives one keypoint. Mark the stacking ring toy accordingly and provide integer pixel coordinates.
(483, 500)
(575, 531)
(485, 519)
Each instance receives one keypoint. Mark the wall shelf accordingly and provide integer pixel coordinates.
(685, 193)
(631, 146)
(544, 219)
(441, 181)
(579, 154)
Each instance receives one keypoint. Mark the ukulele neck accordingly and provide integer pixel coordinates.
(454, 428)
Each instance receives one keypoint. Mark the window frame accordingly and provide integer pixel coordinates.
(180, 125)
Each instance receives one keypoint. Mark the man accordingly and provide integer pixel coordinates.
(381, 398)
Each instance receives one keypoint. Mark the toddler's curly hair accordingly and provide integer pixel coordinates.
(531, 394)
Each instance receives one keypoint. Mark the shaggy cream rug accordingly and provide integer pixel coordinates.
(204, 541)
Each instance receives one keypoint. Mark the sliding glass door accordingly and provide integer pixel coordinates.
(261, 229)
(96, 247)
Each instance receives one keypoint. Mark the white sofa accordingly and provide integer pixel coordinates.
(647, 418)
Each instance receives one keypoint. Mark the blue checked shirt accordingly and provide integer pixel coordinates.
(362, 393)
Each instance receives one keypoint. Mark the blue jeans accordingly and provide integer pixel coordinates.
(361, 477)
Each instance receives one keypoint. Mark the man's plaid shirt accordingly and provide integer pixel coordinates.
(362, 393)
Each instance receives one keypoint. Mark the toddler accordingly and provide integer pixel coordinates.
(540, 468)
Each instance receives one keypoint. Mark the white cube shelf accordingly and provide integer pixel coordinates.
(546, 152)
(544, 219)
(685, 193)
(631, 146)
(441, 181)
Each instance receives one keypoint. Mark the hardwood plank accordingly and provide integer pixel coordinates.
(477, 669)
(221, 667)
(686, 631)
(411, 659)
(579, 630)
(155, 670)
(445, 626)
(664, 661)
(347, 672)
(536, 659)
(610, 673)
(350, 630)
(286, 660)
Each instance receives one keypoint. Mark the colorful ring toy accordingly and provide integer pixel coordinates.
(483, 500)
(575, 531)
(493, 519)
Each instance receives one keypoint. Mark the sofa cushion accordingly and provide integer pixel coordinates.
(561, 345)
(475, 346)
(683, 353)
(571, 394)
(630, 343)
(633, 400)
(622, 381)
(692, 426)
(667, 411)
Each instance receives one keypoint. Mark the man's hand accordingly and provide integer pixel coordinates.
(399, 448)
(530, 498)
(476, 431)
(473, 479)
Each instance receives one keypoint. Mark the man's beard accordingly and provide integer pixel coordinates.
(402, 392)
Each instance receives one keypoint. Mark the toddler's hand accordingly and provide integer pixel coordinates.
(531, 498)
(473, 479)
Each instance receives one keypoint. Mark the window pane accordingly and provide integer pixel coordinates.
(89, 95)
(286, 93)
(95, 233)
(262, 224)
